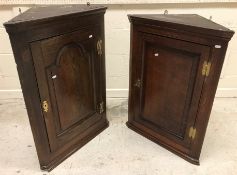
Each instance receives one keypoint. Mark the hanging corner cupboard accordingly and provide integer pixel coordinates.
(59, 53)
(175, 65)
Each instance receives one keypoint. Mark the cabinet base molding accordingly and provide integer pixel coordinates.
(166, 146)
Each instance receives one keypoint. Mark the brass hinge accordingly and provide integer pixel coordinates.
(206, 68)
(45, 106)
(99, 47)
(100, 108)
(192, 132)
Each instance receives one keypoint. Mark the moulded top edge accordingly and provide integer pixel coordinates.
(189, 22)
(43, 13)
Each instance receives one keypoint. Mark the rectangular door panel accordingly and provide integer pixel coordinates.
(166, 87)
(168, 83)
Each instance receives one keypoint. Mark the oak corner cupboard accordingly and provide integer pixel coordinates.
(175, 65)
(59, 52)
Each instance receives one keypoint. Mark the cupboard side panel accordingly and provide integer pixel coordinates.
(207, 98)
(135, 64)
(102, 66)
(27, 76)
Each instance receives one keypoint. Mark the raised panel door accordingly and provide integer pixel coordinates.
(68, 76)
(166, 85)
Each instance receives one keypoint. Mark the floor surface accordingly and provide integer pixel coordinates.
(118, 150)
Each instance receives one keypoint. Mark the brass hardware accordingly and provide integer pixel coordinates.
(99, 47)
(156, 54)
(192, 132)
(101, 108)
(90, 36)
(138, 83)
(206, 68)
(45, 106)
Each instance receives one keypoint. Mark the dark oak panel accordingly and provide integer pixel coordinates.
(166, 68)
(67, 62)
(163, 108)
(172, 63)
(72, 83)
(61, 70)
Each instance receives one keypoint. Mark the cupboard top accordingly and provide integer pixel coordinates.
(187, 22)
(45, 13)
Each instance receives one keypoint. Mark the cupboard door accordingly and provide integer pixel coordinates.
(69, 79)
(165, 88)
